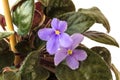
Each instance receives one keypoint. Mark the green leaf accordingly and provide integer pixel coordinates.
(1, 77)
(24, 51)
(31, 69)
(38, 42)
(45, 2)
(11, 75)
(22, 15)
(58, 7)
(81, 21)
(5, 34)
(3, 46)
(104, 53)
(6, 59)
(77, 22)
(93, 68)
(101, 37)
(97, 15)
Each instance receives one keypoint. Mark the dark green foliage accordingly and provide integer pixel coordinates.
(96, 15)
(101, 37)
(77, 22)
(6, 56)
(6, 59)
(53, 8)
(23, 48)
(81, 21)
(31, 69)
(104, 53)
(11, 76)
(38, 42)
(3, 46)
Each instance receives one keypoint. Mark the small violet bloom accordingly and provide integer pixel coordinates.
(70, 54)
(55, 36)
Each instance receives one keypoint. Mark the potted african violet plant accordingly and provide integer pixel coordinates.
(47, 44)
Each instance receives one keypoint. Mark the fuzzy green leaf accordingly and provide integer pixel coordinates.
(22, 15)
(31, 69)
(11, 76)
(93, 68)
(38, 42)
(6, 59)
(3, 46)
(24, 51)
(77, 22)
(1, 77)
(5, 34)
(45, 2)
(81, 21)
(101, 37)
(104, 53)
(96, 15)
(58, 7)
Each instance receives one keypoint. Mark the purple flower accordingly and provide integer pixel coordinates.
(55, 36)
(72, 55)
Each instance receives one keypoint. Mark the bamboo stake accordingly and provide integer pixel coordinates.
(10, 28)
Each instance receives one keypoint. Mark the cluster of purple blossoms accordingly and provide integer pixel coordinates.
(62, 45)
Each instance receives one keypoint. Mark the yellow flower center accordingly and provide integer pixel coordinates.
(57, 32)
(69, 52)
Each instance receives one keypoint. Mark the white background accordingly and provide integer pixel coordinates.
(111, 10)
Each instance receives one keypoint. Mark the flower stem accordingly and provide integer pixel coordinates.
(10, 27)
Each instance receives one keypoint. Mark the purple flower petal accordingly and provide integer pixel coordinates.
(80, 55)
(62, 26)
(53, 45)
(72, 62)
(60, 55)
(65, 40)
(77, 38)
(55, 23)
(45, 33)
